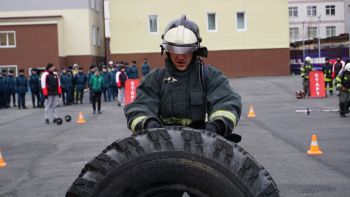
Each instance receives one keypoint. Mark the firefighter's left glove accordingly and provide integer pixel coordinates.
(216, 126)
(152, 123)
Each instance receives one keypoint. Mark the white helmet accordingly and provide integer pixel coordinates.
(182, 36)
(347, 67)
(308, 59)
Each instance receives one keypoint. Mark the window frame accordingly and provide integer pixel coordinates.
(295, 36)
(7, 39)
(216, 22)
(94, 35)
(310, 9)
(331, 29)
(149, 23)
(330, 8)
(245, 21)
(315, 29)
(292, 10)
(10, 66)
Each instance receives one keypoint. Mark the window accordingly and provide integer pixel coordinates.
(7, 39)
(293, 33)
(330, 30)
(211, 21)
(241, 21)
(311, 11)
(153, 23)
(97, 5)
(7, 68)
(312, 32)
(94, 36)
(293, 11)
(330, 10)
(98, 36)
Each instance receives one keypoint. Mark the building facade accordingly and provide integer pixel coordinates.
(310, 19)
(244, 38)
(64, 32)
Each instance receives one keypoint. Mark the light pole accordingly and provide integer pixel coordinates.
(319, 38)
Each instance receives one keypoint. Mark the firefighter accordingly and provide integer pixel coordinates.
(343, 85)
(304, 73)
(327, 70)
(186, 90)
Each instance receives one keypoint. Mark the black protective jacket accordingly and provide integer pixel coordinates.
(180, 98)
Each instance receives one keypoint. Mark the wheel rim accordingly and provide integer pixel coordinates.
(172, 191)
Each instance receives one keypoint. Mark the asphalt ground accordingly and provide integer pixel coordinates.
(43, 160)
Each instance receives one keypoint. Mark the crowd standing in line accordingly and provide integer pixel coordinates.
(49, 87)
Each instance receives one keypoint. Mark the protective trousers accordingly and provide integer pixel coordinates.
(51, 107)
(306, 86)
(344, 100)
(329, 86)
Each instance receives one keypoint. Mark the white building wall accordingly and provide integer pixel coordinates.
(107, 18)
(338, 20)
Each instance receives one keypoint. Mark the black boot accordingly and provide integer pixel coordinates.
(47, 121)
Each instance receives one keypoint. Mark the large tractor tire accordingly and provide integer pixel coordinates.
(173, 162)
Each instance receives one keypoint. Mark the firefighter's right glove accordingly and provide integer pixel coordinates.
(216, 126)
(152, 124)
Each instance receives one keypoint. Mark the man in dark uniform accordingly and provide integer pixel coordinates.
(337, 67)
(66, 86)
(328, 80)
(305, 69)
(80, 82)
(3, 90)
(186, 90)
(105, 88)
(34, 85)
(343, 85)
(112, 85)
(22, 89)
(12, 89)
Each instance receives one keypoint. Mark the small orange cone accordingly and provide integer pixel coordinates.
(2, 162)
(81, 119)
(314, 148)
(251, 113)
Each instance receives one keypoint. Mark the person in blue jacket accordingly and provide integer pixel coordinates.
(11, 79)
(22, 89)
(3, 90)
(133, 71)
(145, 67)
(105, 87)
(34, 85)
(80, 82)
(66, 86)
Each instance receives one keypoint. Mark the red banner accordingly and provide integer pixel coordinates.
(130, 90)
(316, 80)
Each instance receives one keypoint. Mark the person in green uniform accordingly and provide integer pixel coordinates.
(185, 92)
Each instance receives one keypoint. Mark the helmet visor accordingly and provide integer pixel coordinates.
(180, 49)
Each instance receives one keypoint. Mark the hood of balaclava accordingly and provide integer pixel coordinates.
(172, 69)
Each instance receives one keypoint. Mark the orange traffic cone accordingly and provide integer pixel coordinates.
(2, 162)
(314, 148)
(81, 119)
(251, 113)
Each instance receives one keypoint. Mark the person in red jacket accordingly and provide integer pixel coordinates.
(51, 88)
(121, 78)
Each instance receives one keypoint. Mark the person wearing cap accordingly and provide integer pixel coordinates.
(34, 85)
(342, 83)
(305, 69)
(80, 80)
(107, 94)
(145, 67)
(186, 91)
(132, 71)
(328, 72)
(66, 86)
(22, 89)
(11, 79)
(121, 77)
(89, 76)
(51, 89)
(113, 87)
(3, 89)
